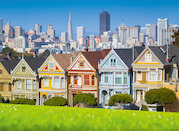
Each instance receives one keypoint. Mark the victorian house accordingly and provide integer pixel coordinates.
(83, 73)
(25, 78)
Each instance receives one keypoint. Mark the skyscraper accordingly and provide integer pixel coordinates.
(9, 30)
(81, 32)
(18, 31)
(64, 36)
(1, 26)
(104, 22)
(51, 32)
(38, 28)
(70, 33)
(162, 27)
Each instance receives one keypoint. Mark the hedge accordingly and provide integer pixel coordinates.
(23, 101)
(56, 101)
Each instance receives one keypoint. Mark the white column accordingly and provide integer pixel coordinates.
(24, 84)
(32, 84)
(114, 77)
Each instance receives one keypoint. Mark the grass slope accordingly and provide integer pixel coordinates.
(26, 117)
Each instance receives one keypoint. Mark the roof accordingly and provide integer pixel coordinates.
(64, 59)
(94, 57)
(34, 62)
(125, 55)
(137, 50)
(160, 52)
(10, 64)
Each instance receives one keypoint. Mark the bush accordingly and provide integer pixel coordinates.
(56, 101)
(1, 99)
(120, 99)
(23, 101)
(85, 99)
(144, 108)
(161, 96)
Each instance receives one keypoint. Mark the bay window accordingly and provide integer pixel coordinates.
(118, 78)
(56, 82)
(28, 84)
(125, 78)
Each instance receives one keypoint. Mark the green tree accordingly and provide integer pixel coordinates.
(45, 54)
(10, 52)
(56, 101)
(161, 96)
(85, 99)
(176, 37)
(120, 99)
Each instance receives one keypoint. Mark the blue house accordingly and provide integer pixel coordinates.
(116, 73)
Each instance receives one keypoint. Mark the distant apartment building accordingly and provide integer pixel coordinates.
(92, 43)
(38, 29)
(134, 32)
(20, 42)
(104, 22)
(64, 36)
(51, 32)
(18, 31)
(162, 27)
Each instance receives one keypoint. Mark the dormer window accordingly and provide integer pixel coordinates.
(148, 57)
(23, 69)
(113, 62)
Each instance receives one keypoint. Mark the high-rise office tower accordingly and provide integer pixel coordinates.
(18, 31)
(38, 28)
(134, 32)
(70, 33)
(1, 26)
(81, 32)
(104, 22)
(122, 33)
(51, 32)
(162, 27)
(9, 30)
(64, 36)
(153, 32)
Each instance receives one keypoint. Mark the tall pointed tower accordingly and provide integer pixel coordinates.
(70, 34)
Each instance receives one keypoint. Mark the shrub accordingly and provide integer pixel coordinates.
(1, 99)
(56, 101)
(23, 101)
(120, 99)
(85, 99)
(144, 108)
(161, 96)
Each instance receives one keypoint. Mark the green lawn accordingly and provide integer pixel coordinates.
(25, 117)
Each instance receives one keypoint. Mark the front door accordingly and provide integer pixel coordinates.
(139, 96)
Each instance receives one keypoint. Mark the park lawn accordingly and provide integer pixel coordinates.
(27, 117)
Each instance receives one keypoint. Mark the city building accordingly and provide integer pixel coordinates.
(20, 42)
(81, 34)
(162, 27)
(64, 36)
(9, 30)
(25, 78)
(1, 25)
(70, 32)
(104, 22)
(51, 32)
(18, 31)
(134, 32)
(38, 29)
(92, 43)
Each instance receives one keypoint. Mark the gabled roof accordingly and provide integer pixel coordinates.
(10, 64)
(34, 63)
(137, 50)
(160, 52)
(64, 59)
(94, 57)
(125, 55)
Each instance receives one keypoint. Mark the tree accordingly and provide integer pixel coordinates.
(56, 101)
(161, 96)
(120, 99)
(10, 52)
(85, 99)
(176, 37)
(45, 54)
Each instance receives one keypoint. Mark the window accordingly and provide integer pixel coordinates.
(139, 75)
(75, 80)
(29, 84)
(152, 76)
(125, 78)
(86, 79)
(1, 86)
(63, 82)
(159, 75)
(19, 83)
(92, 80)
(51, 66)
(56, 82)
(34, 84)
(81, 63)
(118, 78)
(106, 78)
(23, 69)
(113, 62)
(0, 71)
(148, 57)
(46, 84)
(9, 86)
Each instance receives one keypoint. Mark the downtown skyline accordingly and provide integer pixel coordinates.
(27, 14)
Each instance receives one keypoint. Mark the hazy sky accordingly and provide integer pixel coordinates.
(27, 13)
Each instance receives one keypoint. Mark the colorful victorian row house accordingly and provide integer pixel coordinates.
(53, 76)
(156, 67)
(83, 73)
(116, 73)
(6, 83)
(25, 78)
